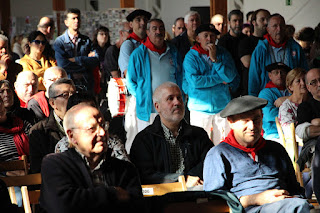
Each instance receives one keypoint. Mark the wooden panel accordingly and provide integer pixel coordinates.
(58, 5)
(5, 16)
(220, 7)
(126, 3)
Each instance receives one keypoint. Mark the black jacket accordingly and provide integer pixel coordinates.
(150, 152)
(43, 138)
(182, 43)
(67, 185)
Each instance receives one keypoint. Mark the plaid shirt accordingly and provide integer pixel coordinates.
(175, 150)
(97, 174)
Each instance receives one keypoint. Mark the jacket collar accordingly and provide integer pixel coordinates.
(156, 128)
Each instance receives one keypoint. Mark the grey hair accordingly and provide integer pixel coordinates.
(154, 20)
(157, 94)
(3, 38)
(191, 13)
(52, 88)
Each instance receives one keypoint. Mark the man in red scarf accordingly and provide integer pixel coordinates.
(276, 93)
(138, 22)
(258, 172)
(210, 76)
(276, 47)
(151, 64)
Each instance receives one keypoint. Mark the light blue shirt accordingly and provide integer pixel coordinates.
(126, 49)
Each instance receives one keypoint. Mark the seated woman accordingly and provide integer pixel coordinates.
(35, 60)
(297, 87)
(12, 103)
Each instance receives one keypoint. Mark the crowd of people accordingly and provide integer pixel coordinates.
(202, 104)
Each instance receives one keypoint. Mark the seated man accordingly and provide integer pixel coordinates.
(170, 147)
(39, 102)
(86, 178)
(45, 134)
(258, 172)
(275, 93)
(26, 86)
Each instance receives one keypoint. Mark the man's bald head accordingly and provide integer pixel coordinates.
(52, 74)
(26, 85)
(46, 26)
(158, 93)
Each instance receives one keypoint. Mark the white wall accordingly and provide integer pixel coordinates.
(172, 9)
(302, 13)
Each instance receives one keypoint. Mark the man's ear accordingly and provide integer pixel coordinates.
(230, 121)
(157, 106)
(269, 74)
(51, 102)
(71, 138)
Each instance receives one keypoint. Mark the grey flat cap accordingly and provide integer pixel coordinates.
(243, 104)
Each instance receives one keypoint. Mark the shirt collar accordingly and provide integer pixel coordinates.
(58, 120)
(167, 132)
(103, 159)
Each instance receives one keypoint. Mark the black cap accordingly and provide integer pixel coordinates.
(207, 27)
(138, 12)
(243, 104)
(276, 66)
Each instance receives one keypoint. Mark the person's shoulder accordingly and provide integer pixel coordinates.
(221, 149)
(180, 38)
(39, 126)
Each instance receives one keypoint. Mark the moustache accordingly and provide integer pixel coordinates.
(159, 35)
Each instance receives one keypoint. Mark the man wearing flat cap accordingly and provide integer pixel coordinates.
(210, 75)
(258, 172)
(138, 20)
(138, 23)
(275, 93)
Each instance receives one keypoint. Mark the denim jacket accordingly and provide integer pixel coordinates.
(64, 49)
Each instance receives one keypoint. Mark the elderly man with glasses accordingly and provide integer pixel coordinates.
(45, 134)
(86, 178)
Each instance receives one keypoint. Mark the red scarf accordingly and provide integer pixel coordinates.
(230, 139)
(23, 104)
(151, 47)
(19, 136)
(270, 84)
(199, 49)
(43, 103)
(135, 37)
(272, 43)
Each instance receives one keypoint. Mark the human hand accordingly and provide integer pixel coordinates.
(122, 194)
(5, 57)
(92, 54)
(72, 59)
(279, 101)
(212, 51)
(193, 181)
(315, 122)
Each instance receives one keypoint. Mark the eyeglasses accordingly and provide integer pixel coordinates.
(314, 82)
(64, 95)
(96, 128)
(38, 42)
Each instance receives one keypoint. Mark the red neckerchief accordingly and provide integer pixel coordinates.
(272, 43)
(135, 37)
(19, 136)
(272, 85)
(151, 46)
(199, 49)
(42, 101)
(230, 139)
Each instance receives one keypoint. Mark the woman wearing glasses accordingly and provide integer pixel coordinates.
(35, 59)
(295, 83)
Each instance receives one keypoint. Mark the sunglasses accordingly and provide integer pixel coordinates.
(38, 42)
